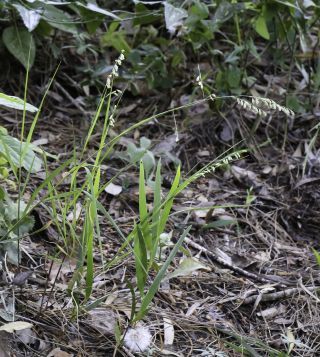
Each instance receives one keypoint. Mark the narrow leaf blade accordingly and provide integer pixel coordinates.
(140, 253)
(143, 210)
(167, 207)
(156, 283)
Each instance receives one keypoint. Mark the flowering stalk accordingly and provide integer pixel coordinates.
(259, 106)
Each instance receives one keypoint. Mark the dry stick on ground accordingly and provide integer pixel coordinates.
(241, 271)
(279, 294)
(308, 290)
(72, 100)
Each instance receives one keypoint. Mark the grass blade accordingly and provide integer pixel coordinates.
(90, 222)
(156, 203)
(168, 205)
(156, 283)
(143, 210)
(141, 260)
(156, 214)
(89, 235)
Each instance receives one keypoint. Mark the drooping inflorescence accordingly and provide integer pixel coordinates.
(271, 104)
(250, 107)
(260, 106)
(225, 161)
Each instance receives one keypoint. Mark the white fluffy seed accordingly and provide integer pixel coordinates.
(138, 339)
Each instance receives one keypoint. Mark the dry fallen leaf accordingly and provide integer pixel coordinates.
(103, 320)
(71, 215)
(57, 352)
(4, 345)
(61, 271)
(192, 309)
(168, 331)
(203, 153)
(187, 267)
(27, 336)
(8, 311)
(11, 327)
(138, 339)
(272, 312)
(291, 340)
(245, 175)
(113, 189)
(20, 278)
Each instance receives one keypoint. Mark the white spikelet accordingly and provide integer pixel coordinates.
(138, 339)
(109, 82)
(115, 70)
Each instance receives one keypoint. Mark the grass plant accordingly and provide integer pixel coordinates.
(80, 234)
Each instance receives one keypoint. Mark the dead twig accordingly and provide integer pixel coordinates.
(279, 294)
(241, 271)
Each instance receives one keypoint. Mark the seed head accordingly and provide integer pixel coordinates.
(260, 106)
(108, 84)
(250, 107)
(211, 168)
(115, 70)
(138, 339)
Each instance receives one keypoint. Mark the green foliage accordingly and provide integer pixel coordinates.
(79, 229)
(11, 150)
(20, 44)
(159, 277)
(158, 38)
(14, 155)
(317, 256)
(134, 154)
(13, 225)
(31, 20)
(115, 37)
(16, 103)
(152, 225)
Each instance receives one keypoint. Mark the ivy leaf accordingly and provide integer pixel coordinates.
(19, 43)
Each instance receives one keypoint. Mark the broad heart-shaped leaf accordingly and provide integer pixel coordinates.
(92, 20)
(20, 43)
(31, 18)
(10, 148)
(95, 8)
(58, 19)
(173, 17)
(16, 103)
